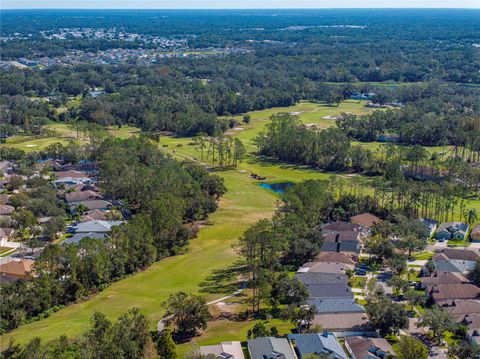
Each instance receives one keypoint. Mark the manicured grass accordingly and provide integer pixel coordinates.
(424, 256)
(60, 133)
(5, 250)
(357, 282)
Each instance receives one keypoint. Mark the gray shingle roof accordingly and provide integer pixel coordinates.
(325, 343)
(79, 236)
(321, 278)
(269, 348)
(329, 291)
(96, 226)
(337, 305)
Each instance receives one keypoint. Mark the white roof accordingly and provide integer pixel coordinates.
(96, 226)
(234, 349)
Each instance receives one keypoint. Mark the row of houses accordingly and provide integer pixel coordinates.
(449, 288)
(337, 312)
(76, 185)
(301, 346)
(451, 230)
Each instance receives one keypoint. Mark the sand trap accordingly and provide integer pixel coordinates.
(237, 129)
(31, 145)
(296, 113)
(330, 117)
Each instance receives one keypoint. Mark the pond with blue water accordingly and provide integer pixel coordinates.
(279, 188)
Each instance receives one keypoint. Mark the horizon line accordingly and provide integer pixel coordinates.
(247, 8)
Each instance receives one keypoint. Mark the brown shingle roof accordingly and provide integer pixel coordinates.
(458, 254)
(362, 347)
(78, 196)
(444, 278)
(334, 257)
(94, 215)
(443, 292)
(17, 269)
(6, 210)
(71, 174)
(6, 232)
(461, 307)
(341, 321)
(366, 220)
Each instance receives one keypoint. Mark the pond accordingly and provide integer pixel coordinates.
(276, 187)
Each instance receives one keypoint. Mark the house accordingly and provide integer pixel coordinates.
(334, 257)
(77, 237)
(96, 226)
(269, 348)
(472, 322)
(442, 293)
(366, 220)
(321, 278)
(442, 278)
(6, 210)
(335, 305)
(475, 234)
(15, 270)
(325, 267)
(7, 167)
(317, 291)
(452, 230)
(90, 205)
(78, 196)
(455, 260)
(6, 234)
(459, 308)
(335, 227)
(430, 225)
(318, 343)
(71, 174)
(68, 181)
(349, 247)
(369, 348)
(343, 324)
(224, 350)
(94, 214)
(4, 198)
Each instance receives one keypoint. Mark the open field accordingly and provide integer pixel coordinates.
(209, 254)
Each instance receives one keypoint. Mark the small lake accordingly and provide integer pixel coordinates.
(276, 187)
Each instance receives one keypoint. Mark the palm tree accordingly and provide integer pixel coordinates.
(470, 216)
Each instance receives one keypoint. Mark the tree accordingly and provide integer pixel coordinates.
(387, 317)
(439, 321)
(398, 263)
(53, 227)
(398, 284)
(247, 119)
(411, 348)
(474, 274)
(261, 250)
(261, 330)
(288, 290)
(165, 345)
(187, 312)
(412, 243)
(470, 216)
(463, 349)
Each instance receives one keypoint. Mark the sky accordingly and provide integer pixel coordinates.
(229, 4)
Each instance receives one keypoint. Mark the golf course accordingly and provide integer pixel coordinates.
(208, 255)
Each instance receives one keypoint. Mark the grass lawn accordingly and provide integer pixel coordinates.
(4, 250)
(357, 282)
(424, 256)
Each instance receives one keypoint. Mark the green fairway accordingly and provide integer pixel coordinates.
(58, 133)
